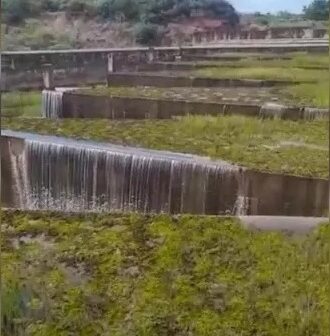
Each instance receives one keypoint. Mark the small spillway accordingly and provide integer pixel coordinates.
(52, 102)
(311, 113)
(272, 110)
(60, 174)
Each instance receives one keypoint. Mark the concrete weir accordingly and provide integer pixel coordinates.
(61, 103)
(52, 173)
(171, 80)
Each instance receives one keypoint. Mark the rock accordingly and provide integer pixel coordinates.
(132, 271)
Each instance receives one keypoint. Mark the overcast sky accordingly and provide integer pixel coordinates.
(294, 6)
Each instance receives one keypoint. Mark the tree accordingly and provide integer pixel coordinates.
(221, 9)
(16, 10)
(317, 10)
(147, 34)
(128, 9)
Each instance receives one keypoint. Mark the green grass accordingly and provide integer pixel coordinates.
(310, 94)
(27, 104)
(250, 142)
(301, 68)
(130, 275)
(304, 61)
(263, 73)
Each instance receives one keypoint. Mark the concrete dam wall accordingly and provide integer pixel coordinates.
(62, 103)
(24, 69)
(51, 173)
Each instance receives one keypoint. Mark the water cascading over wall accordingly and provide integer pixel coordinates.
(52, 104)
(52, 173)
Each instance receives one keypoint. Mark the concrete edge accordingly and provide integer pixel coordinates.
(291, 225)
(297, 112)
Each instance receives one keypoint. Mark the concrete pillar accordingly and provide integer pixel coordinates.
(48, 76)
(151, 55)
(2, 74)
(179, 56)
(111, 64)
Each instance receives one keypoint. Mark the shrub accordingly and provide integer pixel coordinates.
(16, 11)
(147, 34)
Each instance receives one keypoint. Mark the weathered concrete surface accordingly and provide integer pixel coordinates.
(164, 80)
(277, 195)
(47, 168)
(76, 105)
(79, 105)
(291, 225)
(27, 80)
(22, 69)
(11, 148)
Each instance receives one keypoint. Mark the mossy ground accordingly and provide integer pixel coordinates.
(15, 104)
(290, 147)
(301, 68)
(298, 60)
(253, 96)
(309, 94)
(264, 73)
(136, 275)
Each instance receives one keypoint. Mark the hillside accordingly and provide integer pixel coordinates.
(61, 24)
(58, 31)
(36, 24)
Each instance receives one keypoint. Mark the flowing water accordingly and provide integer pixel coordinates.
(52, 173)
(52, 102)
(311, 113)
(272, 110)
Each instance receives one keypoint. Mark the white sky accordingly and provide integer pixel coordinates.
(294, 6)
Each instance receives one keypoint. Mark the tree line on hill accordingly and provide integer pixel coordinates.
(149, 11)
(148, 16)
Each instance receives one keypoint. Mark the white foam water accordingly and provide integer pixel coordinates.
(311, 113)
(52, 104)
(272, 110)
(58, 174)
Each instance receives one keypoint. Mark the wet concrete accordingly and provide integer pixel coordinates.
(85, 105)
(52, 173)
(288, 225)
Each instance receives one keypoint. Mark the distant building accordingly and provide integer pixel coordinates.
(291, 30)
(253, 32)
(200, 28)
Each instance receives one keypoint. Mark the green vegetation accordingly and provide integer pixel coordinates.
(27, 104)
(35, 35)
(275, 18)
(262, 73)
(317, 10)
(148, 16)
(299, 148)
(299, 60)
(310, 94)
(185, 93)
(301, 68)
(158, 275)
